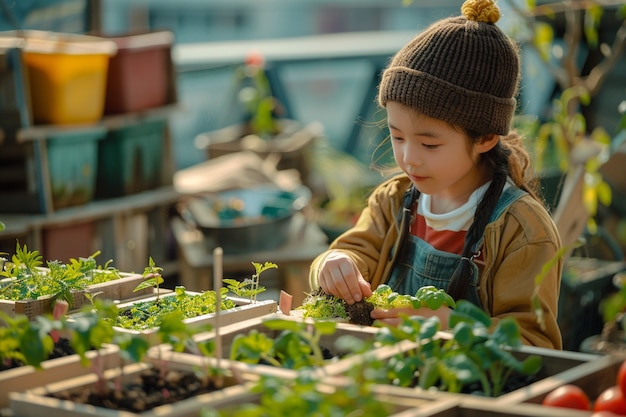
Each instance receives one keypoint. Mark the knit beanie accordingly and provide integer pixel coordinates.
(463, 70)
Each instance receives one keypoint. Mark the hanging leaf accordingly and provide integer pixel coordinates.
(604, 193)
(593, 16)
(544, 36)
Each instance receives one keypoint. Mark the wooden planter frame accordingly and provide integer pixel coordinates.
(244, 310)
(117, 289)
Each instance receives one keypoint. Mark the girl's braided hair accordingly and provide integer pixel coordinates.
(507, 159)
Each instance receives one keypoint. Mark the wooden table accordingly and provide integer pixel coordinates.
(195, 258)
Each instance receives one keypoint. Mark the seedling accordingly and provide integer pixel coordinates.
(249, 288)
(26, 279)
(152, 278)
(24, 341)
(297, 346)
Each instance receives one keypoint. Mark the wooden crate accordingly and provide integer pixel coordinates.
(244, 310)
(119, 289)
(26, 377)
(37, 403)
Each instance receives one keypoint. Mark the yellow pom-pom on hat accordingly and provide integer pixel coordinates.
(485, 11)
(462, 69)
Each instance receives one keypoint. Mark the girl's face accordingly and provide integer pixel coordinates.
(439, 159)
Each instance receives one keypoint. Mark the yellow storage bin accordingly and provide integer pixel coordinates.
(67, 75)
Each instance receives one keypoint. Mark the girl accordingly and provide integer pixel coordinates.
(462, 216)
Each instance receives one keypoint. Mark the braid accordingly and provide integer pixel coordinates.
(496, 162)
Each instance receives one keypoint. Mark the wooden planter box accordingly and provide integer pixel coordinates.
(400, 402)
(245, 310)
(335, 365)
(54, 370)
(118, 289)
(36, 403)
(483, 408)
(592, 377)
(559, 367)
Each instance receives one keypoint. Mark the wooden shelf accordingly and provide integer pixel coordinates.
(41, 132)
(94, 210)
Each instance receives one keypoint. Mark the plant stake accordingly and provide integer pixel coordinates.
(218, 254)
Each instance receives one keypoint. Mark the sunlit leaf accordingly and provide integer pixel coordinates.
(544, 36)
(593, 16)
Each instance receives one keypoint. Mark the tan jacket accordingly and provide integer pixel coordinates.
(515, 248)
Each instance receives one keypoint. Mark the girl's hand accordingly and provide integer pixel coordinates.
(392, 316)
(340, 277)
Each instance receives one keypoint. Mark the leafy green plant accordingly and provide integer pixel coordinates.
(304, 396)
(566, 134)
(476, 358)
(256, 97)
(427, 296)
(249, 288)
(146, 314)
(297, 345)
(152, 278)
(324, 306)
(25, 278)
(24, 341)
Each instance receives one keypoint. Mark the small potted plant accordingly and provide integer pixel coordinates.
(30, 288)
(264, 129)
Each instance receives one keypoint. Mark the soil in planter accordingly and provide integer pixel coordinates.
(359, 313)
(151, 388)
(514, 382)
(61, 348)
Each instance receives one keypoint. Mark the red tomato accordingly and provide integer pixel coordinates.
(611, 399)
(568, 396)
(621, 378)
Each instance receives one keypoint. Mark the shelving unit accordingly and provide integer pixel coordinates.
(129, 221)
(127, 229)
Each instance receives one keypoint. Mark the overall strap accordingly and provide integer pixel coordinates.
(508, 197)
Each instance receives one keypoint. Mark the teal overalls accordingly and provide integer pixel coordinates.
(419, 264)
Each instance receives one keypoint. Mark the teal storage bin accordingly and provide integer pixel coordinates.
(72, 166)
(129, 159)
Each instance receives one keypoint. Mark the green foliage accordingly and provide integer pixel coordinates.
(613, 306)
(565, 141)
(92, 328)
(256, 97)
(297, 345)
(477, 352)
(148, 314)
(25, 278)
(536, 301)
(328, 307)
(306, 397)
(324, 307)
(152, 277)
(23, 341)
(249, 288)
(384, 297)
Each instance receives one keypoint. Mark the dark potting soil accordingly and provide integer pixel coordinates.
(359, 313)
(149, 389)
(61, 348)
